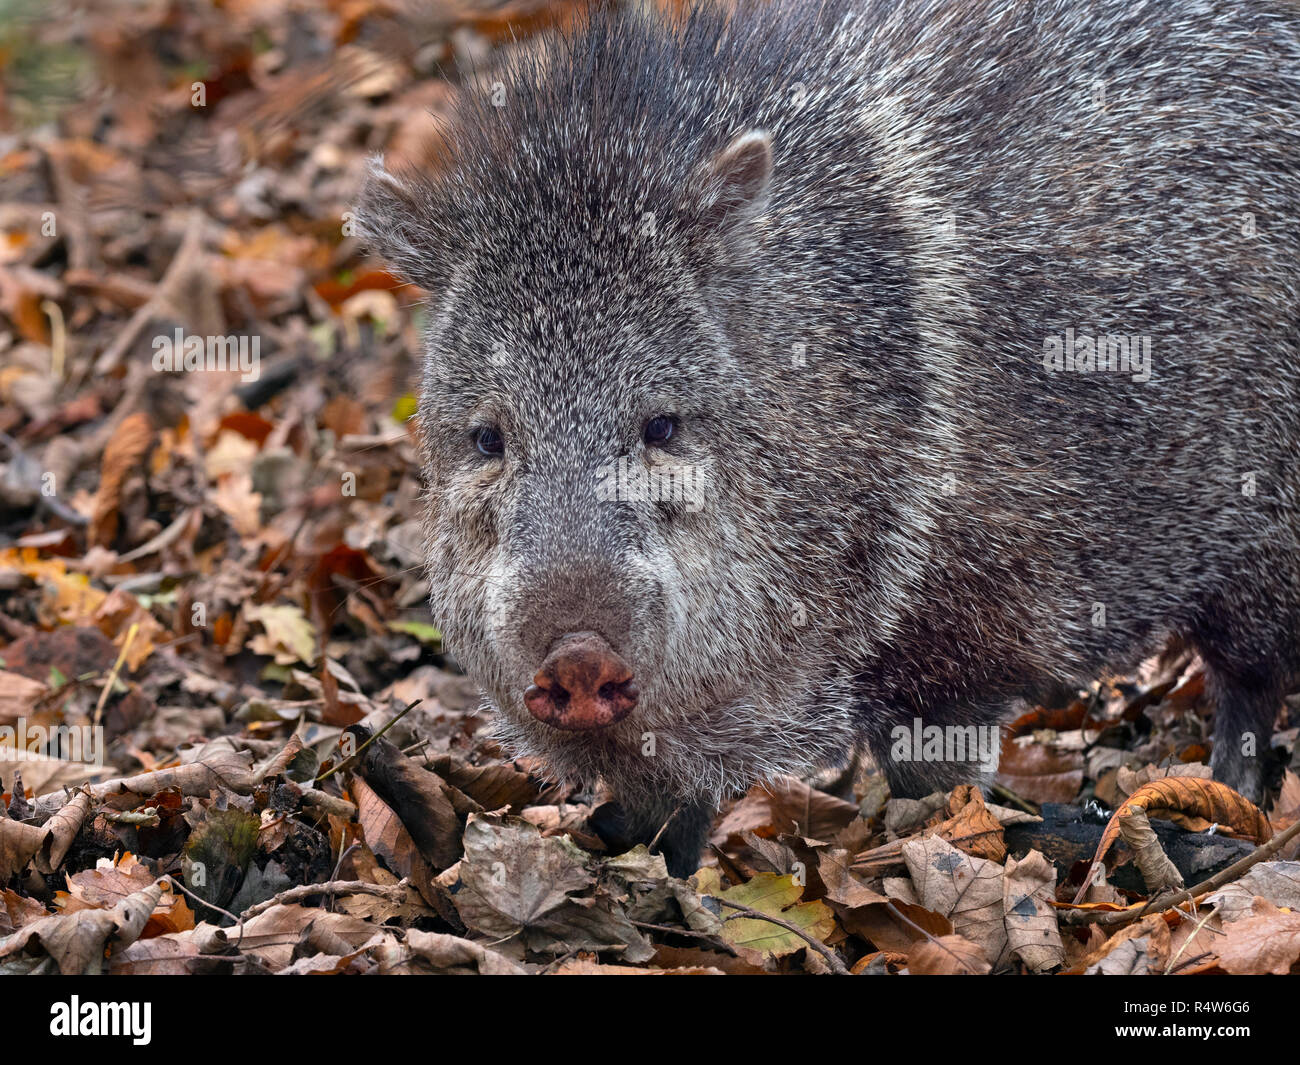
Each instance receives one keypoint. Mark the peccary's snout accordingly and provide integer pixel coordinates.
(583, 684)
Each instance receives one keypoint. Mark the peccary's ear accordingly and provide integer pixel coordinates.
(396, 221)
(733, 184)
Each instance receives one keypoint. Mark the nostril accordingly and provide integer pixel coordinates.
(582, 684)
(618, 689)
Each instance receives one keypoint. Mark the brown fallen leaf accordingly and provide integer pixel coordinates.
(1141, 949)
(77, 941)
(18, 696)
(273, 934)
(124, 453)
(1027, 896)
(783, 807)
(1268, 941)
(387, 837)
(1039, 772)
(110, 882)
(430, 808)
(196, 952)
(947, 956)
(43, 845)
(968, 825)
(967, 890)
(17, 910)
(1279, 882)
(588, 965)
(432, 951)
(19, 843)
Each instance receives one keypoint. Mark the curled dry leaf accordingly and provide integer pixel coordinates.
(61, 830)
(424, 951)
(970, 827)
(123, 454)
(77, 941)
(1178, 799)
(1139, 950)
(46, 845)
(214, 765)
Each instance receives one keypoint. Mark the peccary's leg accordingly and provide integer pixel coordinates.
(896, 740)
(682, 841)
(1244, 712)
(1250, 656)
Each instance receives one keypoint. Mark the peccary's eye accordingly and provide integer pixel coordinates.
(659, 429)
(489, 441)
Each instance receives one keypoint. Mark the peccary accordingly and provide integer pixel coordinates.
(799, 373)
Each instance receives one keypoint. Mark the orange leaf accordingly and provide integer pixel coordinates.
(1175, 798)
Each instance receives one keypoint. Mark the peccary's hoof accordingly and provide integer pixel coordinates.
(583, 684)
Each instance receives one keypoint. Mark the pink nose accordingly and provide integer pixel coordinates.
(583, 684)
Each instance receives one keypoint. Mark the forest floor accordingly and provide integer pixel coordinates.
(211, 596)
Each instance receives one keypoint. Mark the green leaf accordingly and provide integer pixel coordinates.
(778, 896)
(421, 630)
(405, 407)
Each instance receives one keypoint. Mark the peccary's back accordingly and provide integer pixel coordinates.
(1045, 255)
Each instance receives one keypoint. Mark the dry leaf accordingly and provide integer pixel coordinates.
(1027, 895)
(965, 889)
(1188, 800)
(947, 956)
(1268, 941)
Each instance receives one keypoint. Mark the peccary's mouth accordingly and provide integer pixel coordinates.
(583, 684)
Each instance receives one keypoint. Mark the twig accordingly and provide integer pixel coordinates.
(714, 940)
(117, 668)
(210, 905)
(929, 936)
(392, 892)
(1007, 795)
(662, 829)
(357, 753)
(1175, 898)
(832, 959)
(329, 899)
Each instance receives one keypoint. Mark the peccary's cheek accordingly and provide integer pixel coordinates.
(653, 591)
(470, 571)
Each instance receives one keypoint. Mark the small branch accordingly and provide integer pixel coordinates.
(200, 899)
(357, 753)
(832, 959)
(930, 937)
(117, 668)
(662, 829)
(391, 892)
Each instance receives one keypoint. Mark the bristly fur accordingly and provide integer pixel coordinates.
(907, 514)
